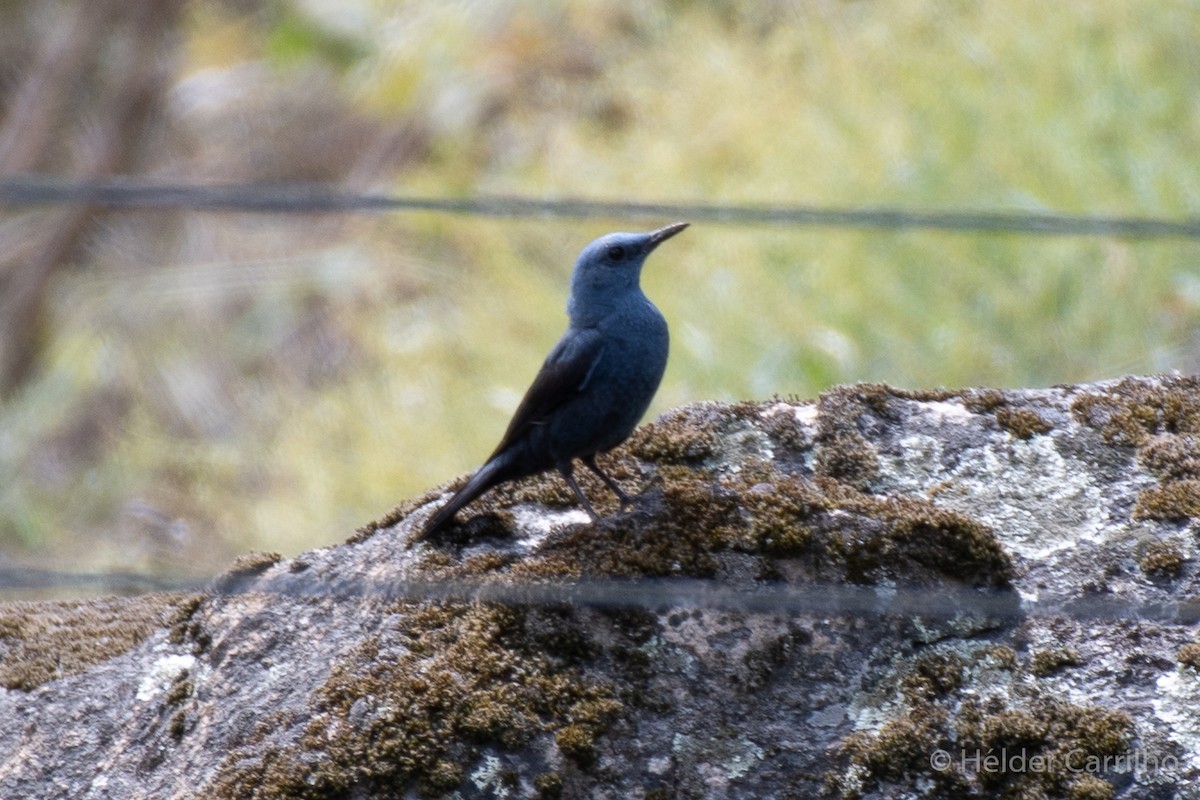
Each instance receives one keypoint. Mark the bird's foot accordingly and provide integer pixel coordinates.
(622, 498)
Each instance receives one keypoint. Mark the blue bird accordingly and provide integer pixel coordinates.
(596, 383)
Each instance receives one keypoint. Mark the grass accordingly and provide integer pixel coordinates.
(279, 387)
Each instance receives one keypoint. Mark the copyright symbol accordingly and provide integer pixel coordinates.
(940, 760)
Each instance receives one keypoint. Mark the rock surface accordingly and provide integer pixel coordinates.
(879, 594)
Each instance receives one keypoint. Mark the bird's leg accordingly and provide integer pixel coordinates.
(568, 473)
(590, 463)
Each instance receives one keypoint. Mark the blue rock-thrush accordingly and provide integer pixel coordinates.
(596, 383)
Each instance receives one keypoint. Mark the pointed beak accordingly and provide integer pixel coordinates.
(662, 234)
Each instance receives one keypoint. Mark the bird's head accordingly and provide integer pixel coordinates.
(610, 267)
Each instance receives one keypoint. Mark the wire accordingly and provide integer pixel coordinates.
(138, 193)
(32, 579)
(824, 599)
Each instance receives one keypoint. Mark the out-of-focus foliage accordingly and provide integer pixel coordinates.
(214, 383)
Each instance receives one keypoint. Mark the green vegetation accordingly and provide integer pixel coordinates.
(218, 383)
(51, 640)
(1161, 421)
(469, 676)
(1059, 736)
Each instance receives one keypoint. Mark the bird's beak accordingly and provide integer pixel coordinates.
(662, 234)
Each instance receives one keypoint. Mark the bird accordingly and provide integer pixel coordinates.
(595, 384)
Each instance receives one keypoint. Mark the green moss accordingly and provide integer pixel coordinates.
(443, 777)
(549, 785)
(983, 401)
(596, 712)
(781, 508)
(679, 538)
(1015, 729)
(840, 532)
(577, 742)
(1189, 655)
(486, 563)
(677, 437)
(780, 424)
(177, 725)
(998, 656)
(547, 489)
(1162, 560)
(438, 563)
(1169, 501)
(935, 395)
(175, 701)
(1024, 423)
(762, 510)
(1172, 457)
(179, 692)
(1161, 418)
(1089, 787)
(898, 751)
(183, 623)
(46, 641)
(1136, 409)
(933, 675)
(1063, 734)
(245, 568)
(919, 542)
(1051, 660)
(488, 717)
(843, 453)
(1021, 421)
(409, 707)
(895, 759)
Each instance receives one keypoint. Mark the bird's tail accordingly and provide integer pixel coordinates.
(493, 472)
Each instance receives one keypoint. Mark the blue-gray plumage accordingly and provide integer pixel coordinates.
(596, 383)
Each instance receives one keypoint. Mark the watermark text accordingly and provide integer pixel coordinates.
(1022, 760)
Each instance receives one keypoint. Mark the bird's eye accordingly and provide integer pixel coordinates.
(616, 253)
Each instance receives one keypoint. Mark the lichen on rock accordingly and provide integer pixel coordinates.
(387, 667)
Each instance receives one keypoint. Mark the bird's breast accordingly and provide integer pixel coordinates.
(635, 352)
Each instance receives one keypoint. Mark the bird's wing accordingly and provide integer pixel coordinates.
(564, 374)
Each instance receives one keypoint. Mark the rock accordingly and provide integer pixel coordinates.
(881, 594)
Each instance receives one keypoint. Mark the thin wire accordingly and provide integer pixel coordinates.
(137, 193)
(825, 599)
(25, 579)
(133, 193)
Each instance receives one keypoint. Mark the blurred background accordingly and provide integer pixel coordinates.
(179, 386)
